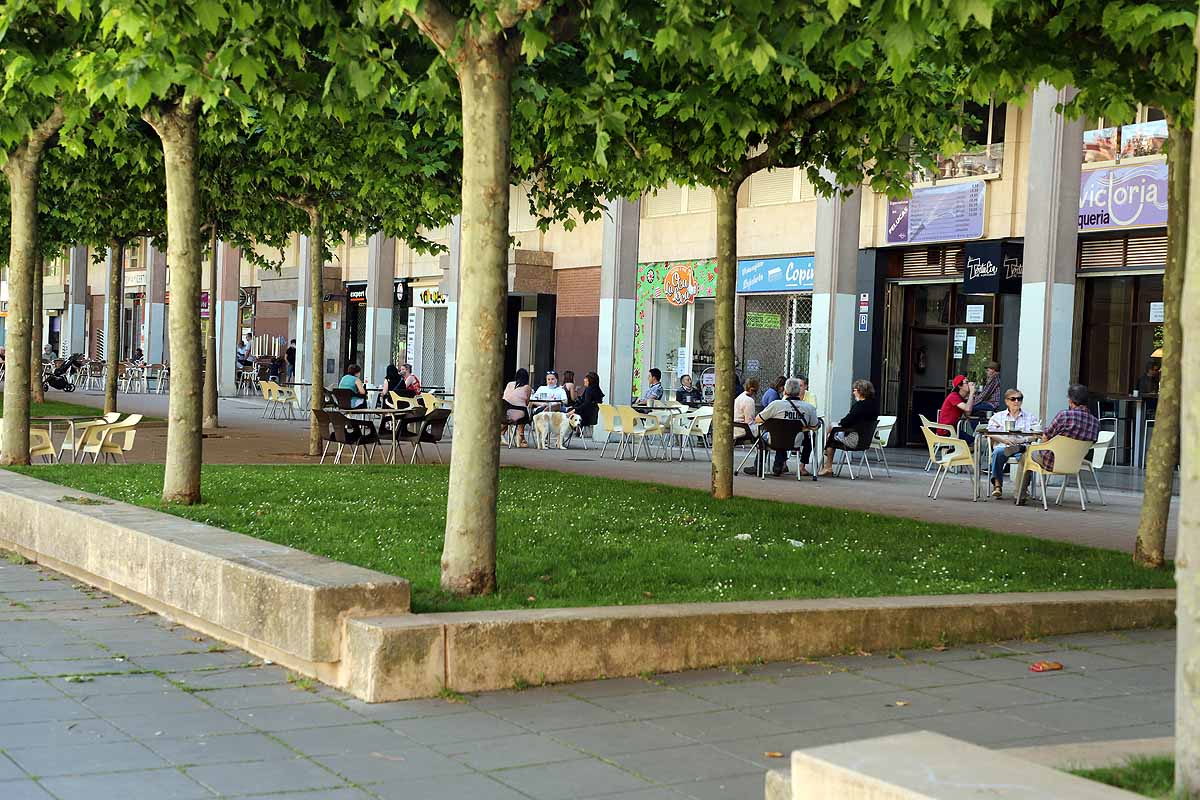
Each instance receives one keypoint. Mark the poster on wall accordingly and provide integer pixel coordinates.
(938, 214)
(1123, 197)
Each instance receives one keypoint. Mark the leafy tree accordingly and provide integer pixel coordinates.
(38, 40)
(1117, 54)
(482, 44)
(172, 63)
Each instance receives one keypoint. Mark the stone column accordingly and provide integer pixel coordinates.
(831, 347)
(110, 264)
(304, 318)
(73, 338)
(381, 274)
(618, 293)
(156, 305)
(227, 316)
(450, 289)
(1044, 366)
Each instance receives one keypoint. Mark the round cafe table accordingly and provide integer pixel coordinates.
(983, 462)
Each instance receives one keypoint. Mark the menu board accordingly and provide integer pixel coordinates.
(938, 214)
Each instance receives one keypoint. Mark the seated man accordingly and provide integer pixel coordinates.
(988, 399)
(791, 406)
(1015, 418)
(550, 391)
(744, 412)
(960, 401)
(687, 393)
(654, 392)
(1076, 422)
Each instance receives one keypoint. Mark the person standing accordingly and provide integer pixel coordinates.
(290, 357)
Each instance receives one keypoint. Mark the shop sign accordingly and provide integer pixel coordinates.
(356, 294)
(680, 286)
(993, 267)
(938, 214)
(764, 320)
(431, 297)
(775, 275)
(135, 277)
(204, 305)
(1123, 197)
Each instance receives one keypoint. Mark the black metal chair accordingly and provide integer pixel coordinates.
(427, 429)
(509, 424)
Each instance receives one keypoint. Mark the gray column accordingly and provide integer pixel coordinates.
(450, 289)
(618, 292)
(304, 317)
(835, 261)
(155, 307)
(1051, 245)
(73, 338)
(381, 275)
(226, 316)
(110, 264)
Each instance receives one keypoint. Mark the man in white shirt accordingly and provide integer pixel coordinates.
(1013, 418)
(550, 391)
(745, 409)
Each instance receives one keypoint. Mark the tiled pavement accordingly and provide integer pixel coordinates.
(101, 700)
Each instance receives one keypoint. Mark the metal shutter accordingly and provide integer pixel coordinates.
(933, 262)
(771, 187)
(663, 202)
(1125, 253)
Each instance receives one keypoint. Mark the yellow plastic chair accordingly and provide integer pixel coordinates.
(97, 442)
(430, 401)
(269, 391)
(946, 453)
(611, 420)
(1068, 460)
(638, 426)
(402, 403)
(287, 399)
(40, 445)
(81, 429)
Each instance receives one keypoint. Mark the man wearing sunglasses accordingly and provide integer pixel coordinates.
(1012, 419)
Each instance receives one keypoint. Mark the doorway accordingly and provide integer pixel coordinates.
(526, 341)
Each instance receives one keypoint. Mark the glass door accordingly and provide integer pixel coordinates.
(669, 352)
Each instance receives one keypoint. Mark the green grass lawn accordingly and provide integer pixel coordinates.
(1152, 777)
(570, 540)
(57, 408)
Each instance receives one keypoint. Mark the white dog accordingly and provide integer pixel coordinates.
(547, 424)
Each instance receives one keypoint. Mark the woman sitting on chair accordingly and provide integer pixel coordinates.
(516, 396)
(352, 380)
(858, 425)
(587, 407)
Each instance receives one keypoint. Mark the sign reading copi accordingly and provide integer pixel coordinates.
(679, 285)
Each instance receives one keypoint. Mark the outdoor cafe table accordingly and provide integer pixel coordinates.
(50, 420)
(406, 415)
(983, 462)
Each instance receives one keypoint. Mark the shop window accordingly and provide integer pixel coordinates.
(772, 187)
(1122, 329)
(133, 255)
(1111, 140)
(663, 202)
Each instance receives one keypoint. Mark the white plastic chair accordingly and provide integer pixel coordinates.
(111, 440)
(883, 435)
(611, 421)
(81, 429)
(1095, 462)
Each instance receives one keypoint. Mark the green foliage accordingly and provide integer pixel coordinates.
(679, 545)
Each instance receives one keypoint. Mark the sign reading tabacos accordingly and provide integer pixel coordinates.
(680, 286)
(1123, 197)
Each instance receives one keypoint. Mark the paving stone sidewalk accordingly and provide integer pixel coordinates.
(99, 699)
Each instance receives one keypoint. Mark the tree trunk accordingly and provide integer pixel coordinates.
(316, 301)
(1151, 545)
(210, 341)
(112, 326)
(1187, 551)
(469, 551)
(35, 333)
(177, 128)
(21, 169)
(722, 427)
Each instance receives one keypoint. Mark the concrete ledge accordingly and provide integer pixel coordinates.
(400, 657)
(929, 766)
(276, 602)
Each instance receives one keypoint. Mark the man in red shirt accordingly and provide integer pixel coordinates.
(960, 401)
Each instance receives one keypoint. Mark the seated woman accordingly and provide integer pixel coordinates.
(587, 407)
(352, 380)
(568, 384)
(516, 414)
(856, 426)
(687, 393)
(393, 381)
